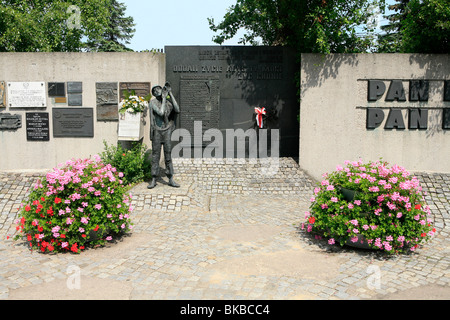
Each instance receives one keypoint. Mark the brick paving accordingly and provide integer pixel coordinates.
(229, 232)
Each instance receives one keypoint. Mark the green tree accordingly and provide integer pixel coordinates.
(307, 25)
(119, 31)
(426, 28)
(51, 25)
(390, 40)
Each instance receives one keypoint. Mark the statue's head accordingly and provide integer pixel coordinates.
(156, 91)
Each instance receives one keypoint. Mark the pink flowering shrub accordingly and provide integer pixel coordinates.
(387, 212)
(77, 205)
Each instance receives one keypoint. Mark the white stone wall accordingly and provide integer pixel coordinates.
(16, 153)
(333, 108)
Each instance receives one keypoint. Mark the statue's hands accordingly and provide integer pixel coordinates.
(164, 92)
(168, 87)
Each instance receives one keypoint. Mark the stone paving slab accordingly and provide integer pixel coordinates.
(231, 244)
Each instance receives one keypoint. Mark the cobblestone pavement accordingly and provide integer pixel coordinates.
(229, 232)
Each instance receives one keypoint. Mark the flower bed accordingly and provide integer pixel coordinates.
(78, 205)
(387, 212)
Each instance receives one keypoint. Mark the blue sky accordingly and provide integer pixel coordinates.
(175, 22)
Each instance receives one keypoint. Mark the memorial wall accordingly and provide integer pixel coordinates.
(372, 106)
(59, 106)
(220, 86)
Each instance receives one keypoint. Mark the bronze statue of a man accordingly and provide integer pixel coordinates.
(163, 109)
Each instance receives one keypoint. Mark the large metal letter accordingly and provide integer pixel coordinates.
(376, 90)
(375, 117)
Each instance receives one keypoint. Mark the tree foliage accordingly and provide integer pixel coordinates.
(426, 27)
(308, 25)
(53, 25)
(119, 30)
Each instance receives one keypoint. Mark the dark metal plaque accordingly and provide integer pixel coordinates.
(38, 126)
(56, 89)
(107, 101)
(73, 122)
(200, 96)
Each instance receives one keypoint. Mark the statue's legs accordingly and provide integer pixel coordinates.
(167, 144)
(156, 155)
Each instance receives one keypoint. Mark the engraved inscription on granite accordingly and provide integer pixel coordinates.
(56, 89)
(248, 77)
(107, 101)
(74, 87)
(10, 121)
(200, 95)
(2, 94)
(73, 122)
(26, 95)
(38, 126)
(75, 99)
(141, 89)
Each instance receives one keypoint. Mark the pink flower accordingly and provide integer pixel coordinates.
(399, 215)
(331, 241)
(330, 188)
(334, 199)
(354, 222)
(374, 189)
(98, 206)
(64, 245)
(365, 227)
(84, 204)
(108, 238)
(84, 220)
(81, 230)
(350, 206)
(357, 202)
(69, 221)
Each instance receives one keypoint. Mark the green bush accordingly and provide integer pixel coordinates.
(134, 163)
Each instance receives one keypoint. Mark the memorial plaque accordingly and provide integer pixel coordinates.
(10, 121)
(107, 101)
(222, 85)
(73, 122)
(56, 89)
(26, 95)
(2, 94)
(141, 89)
(38, 126)
(200, 95)
(75, 99)
(74, 87)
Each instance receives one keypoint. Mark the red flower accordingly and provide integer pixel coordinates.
(57, 200)
(27, 208)
(42, 199)
(96, 228)
(417, 206)
(50, 248)
(423, 234)
(83, 235)
(35, 203)
(311, 220)
(40, 229)
(74, 247)
(63, 236)
(43, 249)
(29, 237)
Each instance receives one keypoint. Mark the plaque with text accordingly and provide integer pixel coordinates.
(200, 95)
(73, 122)
(38, 126)
(26, 95)
(75, 99)
(75, 87)
(107, 101)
